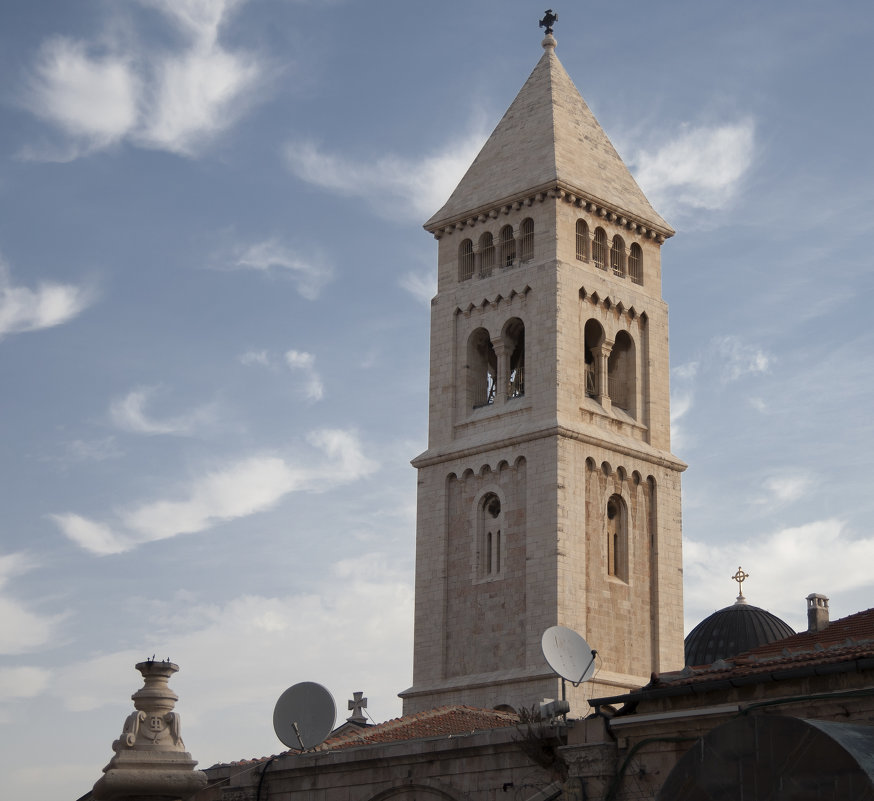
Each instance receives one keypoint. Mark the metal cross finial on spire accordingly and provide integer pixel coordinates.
(740, 577)
(548, 20)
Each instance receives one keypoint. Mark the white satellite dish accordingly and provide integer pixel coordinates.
(568, 654)
(304, 715)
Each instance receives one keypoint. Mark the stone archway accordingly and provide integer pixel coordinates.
(414, 792)
(776, 758)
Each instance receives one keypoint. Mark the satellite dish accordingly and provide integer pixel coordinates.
(304, 715)
(568, 654)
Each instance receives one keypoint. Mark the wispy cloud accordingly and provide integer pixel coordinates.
(129, 413)
(309, 274)
(272, 634)
(786, 488)
(50, 304)
(421, 285)
(305, 363)
(232, 491)
(108, 90)
(682, 400)
(394, 186)
(821, 556)
(698, 168)
(21, 630)
(259, 357)
(737, 358)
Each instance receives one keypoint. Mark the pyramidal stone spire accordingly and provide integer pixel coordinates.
(150, 762)
(548, 139)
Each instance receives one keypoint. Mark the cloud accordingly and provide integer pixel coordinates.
(259, 357)
(700, 168)
(786, 488)
(394, 186)
(790, 563)
(422, 285)
(738, 359)
(305, 363)
(92, 97)
(277, 640)
(242, 488)
(22, 682)
(50, 304)
(21, 630)
(129, 413)
(100, 94)
(682, 400)
(271, 255)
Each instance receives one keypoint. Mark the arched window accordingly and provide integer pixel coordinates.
(490, 545)
(582, 240)
(482, 369)
(508, 246)
(617, 256)
(617, 538)
(594, 338)
(526, 231)
(599, 249)
(621, 373)
(635, 264)
(486, 255)
(465, 260)
(514, 339)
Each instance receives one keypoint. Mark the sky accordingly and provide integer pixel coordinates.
(214, 311)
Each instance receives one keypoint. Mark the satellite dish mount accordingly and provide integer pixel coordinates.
(569, 655)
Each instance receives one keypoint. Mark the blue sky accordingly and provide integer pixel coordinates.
(214, 310)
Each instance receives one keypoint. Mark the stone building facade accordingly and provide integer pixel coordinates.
(548, 494)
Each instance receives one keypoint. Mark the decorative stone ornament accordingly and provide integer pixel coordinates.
(150, 759)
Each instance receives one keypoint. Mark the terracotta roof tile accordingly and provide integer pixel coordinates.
(444, 721)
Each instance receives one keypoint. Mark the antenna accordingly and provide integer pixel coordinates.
(568, 654)
(304, 715)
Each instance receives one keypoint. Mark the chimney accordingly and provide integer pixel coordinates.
(817, 612)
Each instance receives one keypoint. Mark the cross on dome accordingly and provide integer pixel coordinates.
(740, 577)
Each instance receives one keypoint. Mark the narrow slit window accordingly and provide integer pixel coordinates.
(508, 246)
(526, 230)
(465, 260)
(617, 257)
(487, 255)
(635, 264)
(599, 249)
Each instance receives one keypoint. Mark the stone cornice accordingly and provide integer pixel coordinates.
(556, 190)
(646, 453)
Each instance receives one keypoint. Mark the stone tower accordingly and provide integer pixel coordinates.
(548, 494)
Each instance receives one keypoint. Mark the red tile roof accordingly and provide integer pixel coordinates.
(444, 721)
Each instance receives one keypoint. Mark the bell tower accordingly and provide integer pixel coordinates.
(548, 494)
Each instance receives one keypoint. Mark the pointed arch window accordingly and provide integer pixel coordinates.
(514, 337)
(482, 369)
(582, 240)
(465, 260)
(599, 249)
(635, 264)
(617, 256)
(489, 525)
(526, 231)
(616, 525)
(621, 373)
(486, 255)
(594, 338)
(508, 246)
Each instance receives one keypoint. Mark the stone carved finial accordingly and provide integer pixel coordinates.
(150, 759)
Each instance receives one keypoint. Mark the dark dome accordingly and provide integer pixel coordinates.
(731, 631)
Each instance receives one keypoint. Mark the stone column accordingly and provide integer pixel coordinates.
(503, 376)
(150, 762)
(602, 356)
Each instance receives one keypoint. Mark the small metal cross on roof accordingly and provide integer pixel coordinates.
(548, 21)
(356, 705)
(740, 577)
